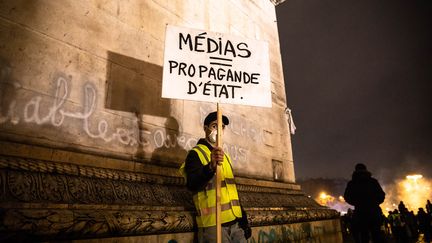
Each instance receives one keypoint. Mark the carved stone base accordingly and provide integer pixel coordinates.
(44, 200)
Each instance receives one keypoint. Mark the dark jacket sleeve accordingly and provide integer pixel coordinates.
(349, 195)
(197, 175)
(380, 194)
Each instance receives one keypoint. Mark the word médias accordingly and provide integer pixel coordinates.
(201, 43)
(220, 74)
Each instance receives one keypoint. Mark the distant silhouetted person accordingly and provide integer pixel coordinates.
(424, 221)
(398, 227)
(410, 227)
(347, 221)
(402, 208)
(365, 194)
(429, 207)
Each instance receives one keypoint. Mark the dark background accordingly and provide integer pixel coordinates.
(358, 78)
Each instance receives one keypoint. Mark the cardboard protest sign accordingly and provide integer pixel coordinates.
(206, 66)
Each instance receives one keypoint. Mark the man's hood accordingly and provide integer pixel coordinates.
(360, 174)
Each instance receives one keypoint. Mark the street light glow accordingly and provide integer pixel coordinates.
(414, 177)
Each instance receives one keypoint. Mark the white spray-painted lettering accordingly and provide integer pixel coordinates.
(162, 139)
(239, 126)
(57, 114)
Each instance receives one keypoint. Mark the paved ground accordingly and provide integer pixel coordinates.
(389, 239)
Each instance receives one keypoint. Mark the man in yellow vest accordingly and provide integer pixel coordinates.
(199, 170)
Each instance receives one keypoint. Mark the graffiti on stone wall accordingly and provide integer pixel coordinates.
(163, 139)
(242, 128)
(238, 126)
(34, 110)
(288, 234)
(55, 110)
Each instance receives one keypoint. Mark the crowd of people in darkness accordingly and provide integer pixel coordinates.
(400, 225)
(367, 222)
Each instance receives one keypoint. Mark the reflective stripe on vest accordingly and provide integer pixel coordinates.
(205, 200)
(203, 153)
(212, 183)
(211, 210)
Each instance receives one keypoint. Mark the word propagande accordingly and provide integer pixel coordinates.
(220, 74)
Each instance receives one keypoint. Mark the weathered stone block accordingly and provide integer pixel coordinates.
(88, 147)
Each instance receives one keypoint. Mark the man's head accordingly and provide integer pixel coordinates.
(210, 126)
(360, 167)
(361, 171)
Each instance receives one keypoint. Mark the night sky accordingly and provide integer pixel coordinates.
(358, 79)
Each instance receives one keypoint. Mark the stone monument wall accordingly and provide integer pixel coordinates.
(89, 149)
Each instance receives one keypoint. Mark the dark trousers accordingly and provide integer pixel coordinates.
(230, 234)
(366, 226)
(362, 234)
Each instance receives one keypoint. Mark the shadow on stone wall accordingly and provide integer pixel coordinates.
(8, 87)
(170, 153)
(136, 86)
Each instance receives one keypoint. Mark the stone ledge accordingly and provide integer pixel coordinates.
(58, 224)
(45, 200)
(37, 181)
(18, 155)
(38, 223)
(69, 169)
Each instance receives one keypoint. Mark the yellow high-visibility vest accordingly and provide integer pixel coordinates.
(205, 200)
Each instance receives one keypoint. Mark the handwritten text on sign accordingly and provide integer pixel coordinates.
(206, 66)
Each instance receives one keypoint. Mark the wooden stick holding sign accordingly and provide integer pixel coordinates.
(218, 178)
(206, 66)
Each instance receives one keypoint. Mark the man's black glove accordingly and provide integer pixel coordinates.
(244, 224)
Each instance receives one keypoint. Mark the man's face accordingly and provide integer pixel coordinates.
(211, 127)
